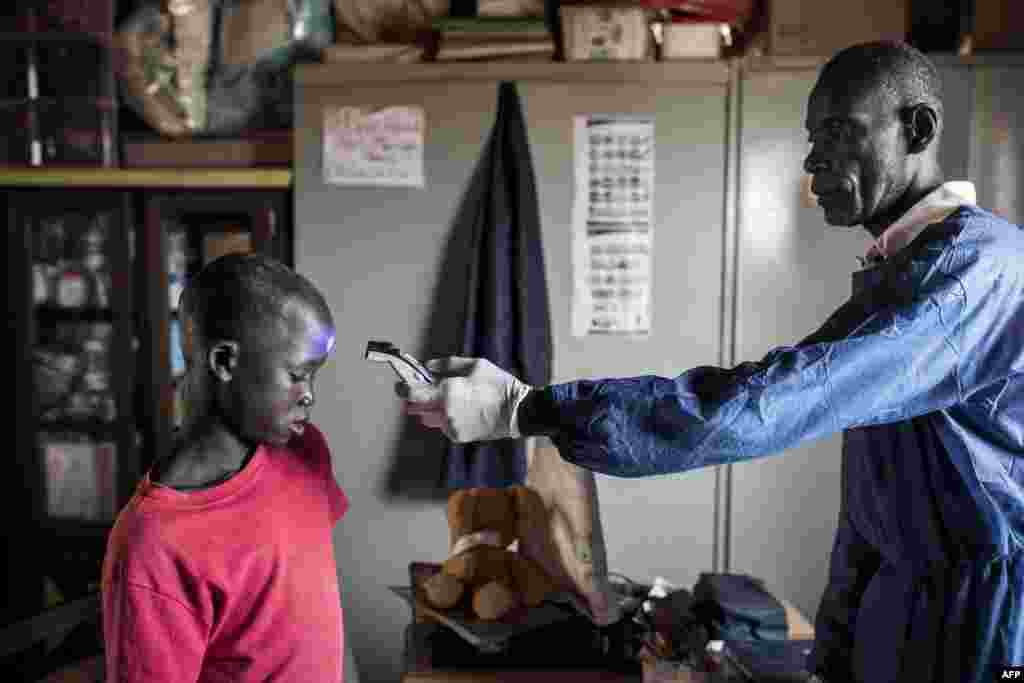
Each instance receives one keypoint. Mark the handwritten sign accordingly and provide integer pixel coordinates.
(366, 147)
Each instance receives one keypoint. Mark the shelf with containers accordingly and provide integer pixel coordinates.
(76, 319)
(59, 101)
(96, 259)
(198, 227)
(60, 107)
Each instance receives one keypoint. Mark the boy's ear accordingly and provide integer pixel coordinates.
(222, 359)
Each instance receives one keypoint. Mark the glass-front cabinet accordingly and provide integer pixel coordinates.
(79, 334)
(97, 259)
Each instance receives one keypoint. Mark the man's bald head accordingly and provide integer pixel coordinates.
(900, 73)
(874, 120)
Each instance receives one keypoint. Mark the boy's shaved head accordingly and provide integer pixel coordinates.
(239, 296)
(255, 334)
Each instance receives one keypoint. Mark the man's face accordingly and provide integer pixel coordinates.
(272, 386)
(858, 154)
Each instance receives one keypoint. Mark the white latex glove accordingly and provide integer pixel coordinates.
(473, 399)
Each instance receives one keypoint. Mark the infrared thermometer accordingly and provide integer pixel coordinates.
(408, 369)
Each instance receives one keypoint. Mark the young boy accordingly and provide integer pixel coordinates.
(221, 567)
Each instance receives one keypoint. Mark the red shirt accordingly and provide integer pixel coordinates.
(233, 583)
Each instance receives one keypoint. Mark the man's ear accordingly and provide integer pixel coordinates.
(222, 359)
(921, 126)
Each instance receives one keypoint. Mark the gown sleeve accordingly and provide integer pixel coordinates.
(891, 353)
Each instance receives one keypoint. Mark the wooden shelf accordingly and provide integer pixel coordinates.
(88, 314)
(190, 178)
(340, 74)
(48, 37)
(95, 428)
(810, 62)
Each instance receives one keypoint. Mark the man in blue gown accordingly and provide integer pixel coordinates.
(922, 370)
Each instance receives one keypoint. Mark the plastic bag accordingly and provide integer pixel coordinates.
(405, 21)
(739, 607)
(217, 67)
(579, 558)
(388, 21)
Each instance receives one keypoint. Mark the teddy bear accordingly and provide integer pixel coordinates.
(481, 569)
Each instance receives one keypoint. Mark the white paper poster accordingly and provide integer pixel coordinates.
(613, 224)
(374, 148)
(80, 479)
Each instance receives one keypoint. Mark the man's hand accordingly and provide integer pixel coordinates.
(473, 399)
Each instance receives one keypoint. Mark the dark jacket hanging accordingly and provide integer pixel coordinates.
(508, 318)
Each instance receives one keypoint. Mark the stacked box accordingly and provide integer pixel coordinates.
(606, 33)
(814, 28)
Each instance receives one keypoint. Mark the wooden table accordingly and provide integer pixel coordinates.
(425, 663)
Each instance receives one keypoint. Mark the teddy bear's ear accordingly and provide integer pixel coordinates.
(533, 528)
(461, 506)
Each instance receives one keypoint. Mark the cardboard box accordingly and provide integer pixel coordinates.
(656, 670)
(691, 40)
(223, 242)
(798, 627)
(998, 24)
(606, 33)
(815, 28)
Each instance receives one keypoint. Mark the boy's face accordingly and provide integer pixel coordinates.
(271, 388)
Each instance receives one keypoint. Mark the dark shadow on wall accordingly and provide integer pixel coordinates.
(493, 264)
(418, 461)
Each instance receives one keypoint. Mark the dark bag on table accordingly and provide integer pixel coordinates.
(738, 607)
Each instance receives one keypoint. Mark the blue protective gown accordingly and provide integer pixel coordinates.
(923, 370)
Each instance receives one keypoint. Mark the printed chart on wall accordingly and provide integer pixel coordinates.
(374, 148)
(613, 225)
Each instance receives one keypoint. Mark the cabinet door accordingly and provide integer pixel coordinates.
(72, 313)
(657, 526)
(78, 316)
(997, 139)
(793, 272)
(184, 231)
